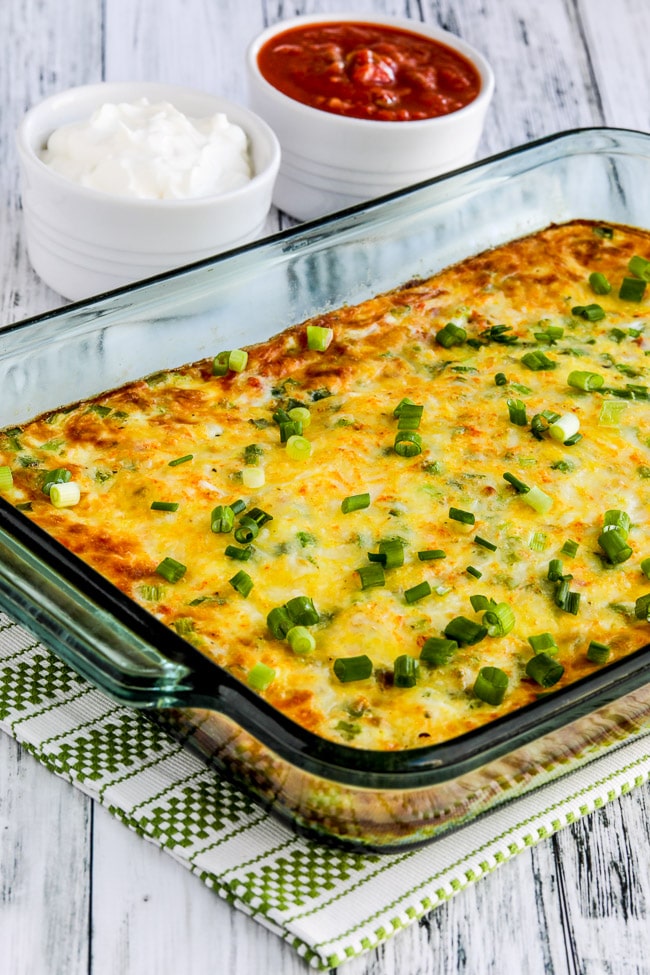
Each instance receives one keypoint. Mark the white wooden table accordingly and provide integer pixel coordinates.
(78, 892)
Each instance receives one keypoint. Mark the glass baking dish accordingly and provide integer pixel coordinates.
(369, 799)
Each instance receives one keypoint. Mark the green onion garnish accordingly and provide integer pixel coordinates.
(473, 571)
(222, 518)
(180, 460)
(418, 592)
(290, 428)
(499, 619)
(319, 338)
(6, 478)
(353, 668)
(301, 640)
(642, 607)
(538, 542)
(405, 401)
(465, 517)
(632, 289)
(500, 379)
(247, 530)
(483, 542)
(431, 553)
(464, 631)
(645, 568)
(614, 545)
(301, 414)
(242, 583)
(591, 313)
(614, 518)
(260, 676)
(480, 602)
(569, 548)
(58, 476)
(517, 411)
(544, 669)
(253, 477)
(543, 641)
(392, 549)
(565, 427)
(298, 448)
(279, 622)
(538, 361)
(516, 483)
(302, 611)
(409, 416)
(65, 495)
(235, 360)
(538, 500)
(598, 653)
(405, 671)
(372, 575)
(451, 335)
(582, 379)
(171, 570)
(407, 443)
(611, 413)
(437, 651)
(240, 554)
(355, 502)
(640, 267)
(599, 283)
(572, 603)
(238, 506)
(164, 505)
(491, 685)
(554, 570)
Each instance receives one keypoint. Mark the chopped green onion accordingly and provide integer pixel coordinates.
(642, 607)
(483, 542)
(591, 313)
(451, 335)
(60, 475)
(516, 483)
(405, 401)
(301, 414)
(259, 516)
(605, 232)
(570, 548)
(65, 495)
(473, 571)
(582, 379)
(491, 685)
(574, 439)
(464, 631)
(538, 542)
(465, 517)
(645, 568)
(614, 518)
(247, 530)
(252, 454)
(562, 592)
(372, 575)
(302, 611)
(543, 641)
(407, 443)
(480, 602)
(279, 622)
(171, 570)
(565, 426)
(222, 518)
(572, 604)
(554, 570)
(418, 592)
(437, 651)
(260, 676)
(290, 428)
(410, 416)
(393, 551)
(319, 338)
(632, 289)
(500, 379)
(431, 553)
(598, 653)
(242, 583)
(6, 478)
(517, 412)
(538, 500)
(640, 267)
(235, 360)
(240, 554)
(151, 593)
(611, 413)
(544, 669)
(355, 502)
(238, 506)
(599, 283)
(253, 477)
(353, 668)
(538, 361)
(499, 619)
(615, 546)
(405, 671)
(298, 448)
(301, 640)
(164, 505)
(180, 460)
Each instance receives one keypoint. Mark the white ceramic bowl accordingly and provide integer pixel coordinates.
(83, 242)
(332, 161)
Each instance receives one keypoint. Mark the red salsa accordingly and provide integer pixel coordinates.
(368, 71)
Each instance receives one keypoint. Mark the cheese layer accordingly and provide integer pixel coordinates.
(508, 302)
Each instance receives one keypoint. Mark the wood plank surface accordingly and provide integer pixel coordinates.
(78, 891)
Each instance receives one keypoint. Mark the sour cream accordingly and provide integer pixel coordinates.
(151, 151)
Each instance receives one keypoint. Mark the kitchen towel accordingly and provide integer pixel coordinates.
(329, 904)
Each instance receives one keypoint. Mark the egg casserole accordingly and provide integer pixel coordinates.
(396, 521)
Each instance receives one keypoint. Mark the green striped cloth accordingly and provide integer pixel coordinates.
(329, 904)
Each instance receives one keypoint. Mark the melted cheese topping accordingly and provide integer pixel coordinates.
(118, 448)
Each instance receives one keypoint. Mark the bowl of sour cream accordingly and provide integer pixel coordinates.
(121, 181)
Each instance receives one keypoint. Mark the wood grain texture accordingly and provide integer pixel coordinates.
(78, 891)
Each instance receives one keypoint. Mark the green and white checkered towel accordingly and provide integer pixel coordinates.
(329, 904)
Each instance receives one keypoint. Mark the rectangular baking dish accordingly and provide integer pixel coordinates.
(368, 799)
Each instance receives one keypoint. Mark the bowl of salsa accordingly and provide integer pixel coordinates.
(362, 106)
